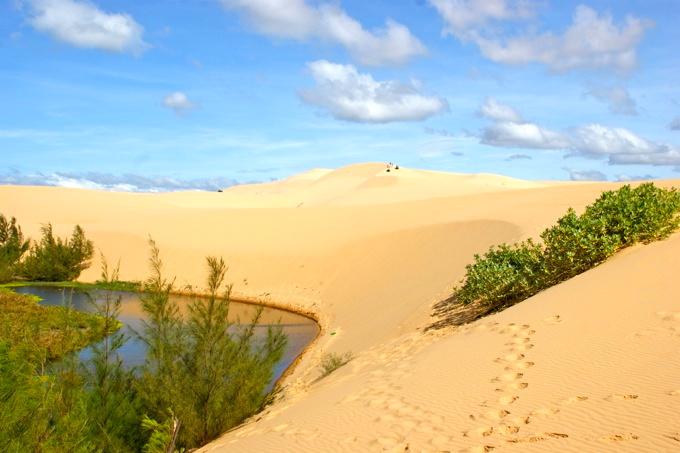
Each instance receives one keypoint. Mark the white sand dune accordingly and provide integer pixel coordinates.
(589, 365)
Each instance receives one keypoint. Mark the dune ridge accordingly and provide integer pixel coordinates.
(589, 365)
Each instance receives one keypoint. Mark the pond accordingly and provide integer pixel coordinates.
(299, 329)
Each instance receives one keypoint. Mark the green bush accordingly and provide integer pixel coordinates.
(511, 273)
(575, 245)
(644, 214)
(503, 274)
(55, 259)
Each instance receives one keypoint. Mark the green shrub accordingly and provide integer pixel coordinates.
(511, 273)
(55, 259)
(503, 275)
(644, 214)
(575, 245)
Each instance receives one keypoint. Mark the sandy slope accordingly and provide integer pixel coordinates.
(590, 365)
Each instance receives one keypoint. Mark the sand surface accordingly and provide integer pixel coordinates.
(592, 364)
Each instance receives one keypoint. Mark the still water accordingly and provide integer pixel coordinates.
(299, 329)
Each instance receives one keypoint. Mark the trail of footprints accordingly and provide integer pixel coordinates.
(498, 419)
(499, 424)
(400, 416)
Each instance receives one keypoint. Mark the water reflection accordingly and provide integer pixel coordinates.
(299, 329)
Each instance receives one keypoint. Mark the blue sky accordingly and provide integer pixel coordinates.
(201, 94)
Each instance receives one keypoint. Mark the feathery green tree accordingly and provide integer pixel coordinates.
(208, 372)
(13, 246)
(56, 259)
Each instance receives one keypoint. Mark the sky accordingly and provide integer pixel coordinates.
(203, 94)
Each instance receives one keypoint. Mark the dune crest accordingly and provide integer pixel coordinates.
(588, 365)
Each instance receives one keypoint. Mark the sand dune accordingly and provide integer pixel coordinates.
(589, 365)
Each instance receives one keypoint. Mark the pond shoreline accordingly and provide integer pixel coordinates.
(84, 287)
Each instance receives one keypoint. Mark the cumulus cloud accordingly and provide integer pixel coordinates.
(617, 98)
(83, 24)
(464, 17)
(595, 141)
(108, 182)
(297, 19)
(622, 146)
(675, 124)
(179, 103)
(524, 135)
(351, 96)
(497, 111)
(510, 130)
(592, 41)
(586, 175)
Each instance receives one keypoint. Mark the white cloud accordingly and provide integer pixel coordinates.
(510, 130)
(84, 25)
(179, 103)
(617, 98)
(352, 96)
(525, 135)
(592, 41)
(595, 140)
(622, 146)
(586, 175)
(296, 19)
(497, 111)
(463, 17)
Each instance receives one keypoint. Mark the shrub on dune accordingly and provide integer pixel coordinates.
(508, 274)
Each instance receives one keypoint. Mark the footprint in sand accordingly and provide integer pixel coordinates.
(539, 437)
(518, 341)
(514, 357)
(552, 319)
(519, 420)
(522, 440)
(505, 400)
(506, 429)
(507, 377)
(510, 328)
(478, 449)
(523, 347)
(574, 399)
(524, 333)
(514, 386)
(483, 431)
(496, 415)
(519, 366)
(619, 437)
(623, 397)
(545, 411)
(669, 316)
(675, 393)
